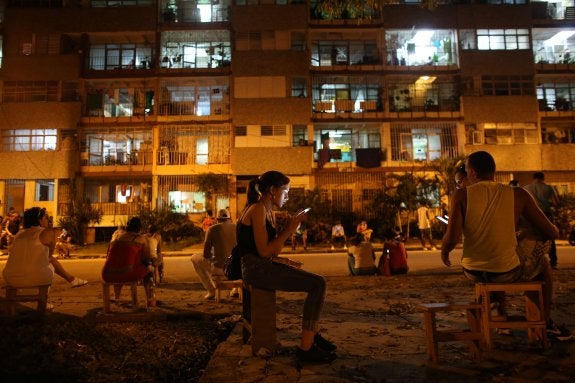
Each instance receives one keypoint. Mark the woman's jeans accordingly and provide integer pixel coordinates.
(360, 271)
(267, 275)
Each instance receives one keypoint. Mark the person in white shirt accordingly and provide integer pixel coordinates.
(361, 256)
(424, 226)
(31, 261)
(338, 235)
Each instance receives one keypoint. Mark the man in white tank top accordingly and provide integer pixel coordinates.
(486, 213)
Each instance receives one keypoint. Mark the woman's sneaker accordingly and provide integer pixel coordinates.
(323, 343)
(560, 333)
(315, 355)
(78, 282)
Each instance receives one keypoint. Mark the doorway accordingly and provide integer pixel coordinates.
(14, 196)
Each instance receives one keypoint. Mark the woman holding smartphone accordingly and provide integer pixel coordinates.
(260, 243)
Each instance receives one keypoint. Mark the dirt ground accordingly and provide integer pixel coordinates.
(375, 321)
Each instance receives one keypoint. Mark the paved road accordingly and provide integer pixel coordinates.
(180, 269)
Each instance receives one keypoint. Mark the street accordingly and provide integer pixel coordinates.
(180, 269)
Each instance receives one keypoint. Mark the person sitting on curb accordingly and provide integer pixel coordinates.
(338, 235)
(361, 256)
(363, 229)
(63, 246)
(394, 254)
(31, 260)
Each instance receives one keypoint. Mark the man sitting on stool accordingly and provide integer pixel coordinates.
(487, 213)
(218, 244)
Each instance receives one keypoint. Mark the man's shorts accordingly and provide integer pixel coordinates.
(532, 253)
(510, 276)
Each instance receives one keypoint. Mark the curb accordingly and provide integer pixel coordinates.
(287, 251)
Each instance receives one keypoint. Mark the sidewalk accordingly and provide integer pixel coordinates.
(381, 338)
(377, 326)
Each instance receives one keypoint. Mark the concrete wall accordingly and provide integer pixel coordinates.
(255, 161)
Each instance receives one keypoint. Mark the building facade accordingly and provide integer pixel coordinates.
(126, 103)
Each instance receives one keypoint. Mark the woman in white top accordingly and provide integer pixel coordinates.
(30, 261)
(361, 257)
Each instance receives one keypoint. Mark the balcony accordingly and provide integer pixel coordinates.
(190, 12)
(115, 208)
(346, 109)
(117, 162)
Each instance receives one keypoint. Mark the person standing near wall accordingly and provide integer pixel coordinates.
(546, 198)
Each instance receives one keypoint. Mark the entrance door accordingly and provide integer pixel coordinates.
(14, 196)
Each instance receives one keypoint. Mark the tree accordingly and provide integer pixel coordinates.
(81, 215)
(172, 226)
(445, 169)
(212, 184)
(401, 194)
(565, 213)
(318, 217)
(358, 9)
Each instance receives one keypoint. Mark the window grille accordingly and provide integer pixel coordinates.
(28, 140)
(273, 130)
(502, 39)
(507, 85)
(180, 143)
(30, 91)
(241, 130)
(423, 141)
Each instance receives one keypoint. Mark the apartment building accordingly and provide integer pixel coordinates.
(127, 103)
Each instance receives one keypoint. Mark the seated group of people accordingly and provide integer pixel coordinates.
(131, 256)
(393, 259)
(338, 236)
(489, 215)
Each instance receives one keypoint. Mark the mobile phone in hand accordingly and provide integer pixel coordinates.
(304, 211)
(442, 219)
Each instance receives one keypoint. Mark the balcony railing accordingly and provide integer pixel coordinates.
(192, 14)
(136, 157)
(107, 208)
(350, 106)
(114, 208)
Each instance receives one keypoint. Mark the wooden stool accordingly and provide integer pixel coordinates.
(434, 336)
(259, 318)
(533, 320)
(40, 296)
(106, 293)
(224, 284)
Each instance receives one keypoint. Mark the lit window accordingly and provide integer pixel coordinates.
(29, 140)
(44, 190)
(502, 39)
